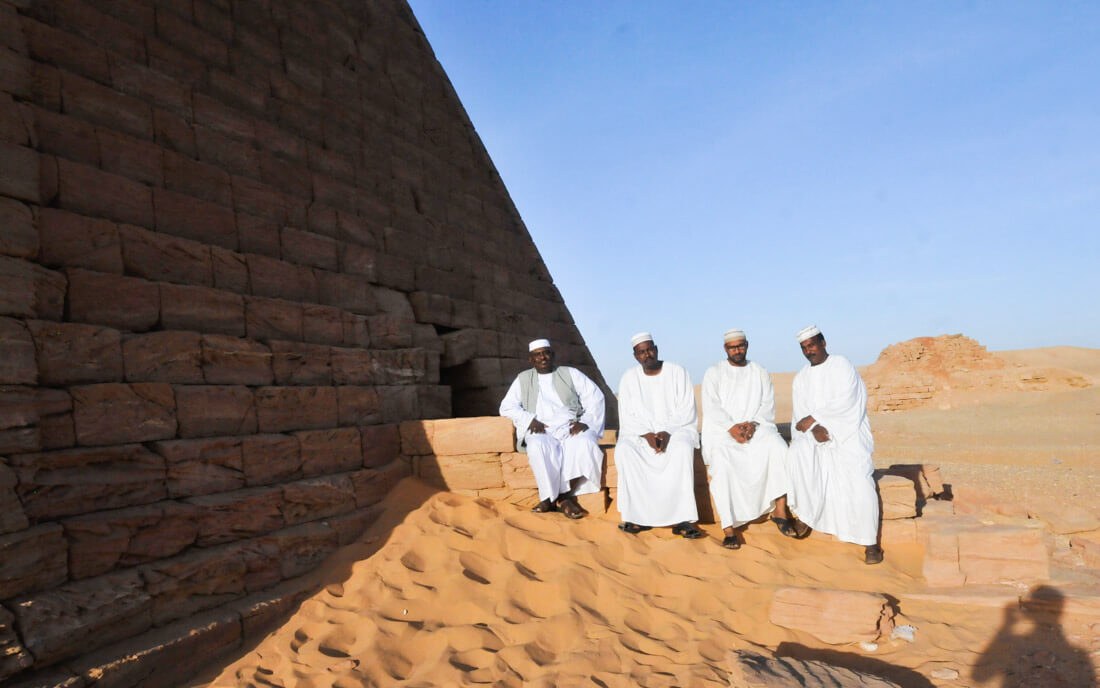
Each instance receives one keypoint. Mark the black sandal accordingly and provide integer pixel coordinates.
(632, 528)
(731, 542)
(571, 509)
(544, 507)
(687, 530)
(784, 525)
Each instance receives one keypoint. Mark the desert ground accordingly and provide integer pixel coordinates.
(446, 589)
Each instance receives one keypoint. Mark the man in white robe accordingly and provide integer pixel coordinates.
(745, 455)
(832, 488)
(559, 415)
(656, 445)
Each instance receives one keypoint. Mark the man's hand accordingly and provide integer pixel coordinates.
(577, 427)
(804, 424)
(662, 441)
(743, 432)
(821, 434)
(537, 427)
(651, 440)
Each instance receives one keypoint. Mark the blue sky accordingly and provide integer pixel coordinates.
(884, 170)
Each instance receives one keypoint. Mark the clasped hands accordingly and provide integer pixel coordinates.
(743, 432)
(658, 441)
(537, 427)
(819, 432)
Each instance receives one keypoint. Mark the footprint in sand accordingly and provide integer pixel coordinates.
(477, 568)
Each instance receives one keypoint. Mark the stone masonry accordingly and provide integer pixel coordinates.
(240, 242)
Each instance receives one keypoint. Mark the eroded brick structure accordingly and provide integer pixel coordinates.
(239, 241)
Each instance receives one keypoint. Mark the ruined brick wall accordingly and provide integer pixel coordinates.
(239, 241)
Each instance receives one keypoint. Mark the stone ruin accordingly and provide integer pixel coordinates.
(240, 241)
(918, 372)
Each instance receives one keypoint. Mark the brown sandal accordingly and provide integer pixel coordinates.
(544, 507)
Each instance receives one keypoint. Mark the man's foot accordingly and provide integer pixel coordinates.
(632, 528)
(687, 530)
(801, 530)
(784, 525)
(872, 554)
(544, 507)
(571, 509)
(731, 542)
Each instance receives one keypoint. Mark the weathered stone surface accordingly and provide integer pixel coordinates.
(32, 291)
(472, 435)
(71, 240)
(962, 548)
(72, 354)
(296, 408)
(19, 416)
(202, 309)
(898, 495)
(302, 548)
(464, 471)
(12, 517)
(236, 515)
(78, 617)
(391, 332)
(262, 611)
(202, 466)
(270, 319)
(323, 324)
(19, 238)
(355, 367)
(163, 357)
(211, 410)
(116, 413)
(13, 656)
(124, 303)
(926, 477)
(381, 444)
(1062, 518)
(517, 471)
(755, 670)
(358, 405)
(316, 498)
(1089, 548)
(78, 481)
(350, 526)
(835, 617)
(165, 258)
(105, 540)
(32, 560)
(17, 365)
(300, 364)
(192, 582)
(330, 450)
(270, 459)
(416, 437)
(234, 361)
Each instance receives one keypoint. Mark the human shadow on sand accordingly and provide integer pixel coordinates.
(903, 676)
(1031, 649)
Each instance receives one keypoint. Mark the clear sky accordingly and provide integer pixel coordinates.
(883, 170)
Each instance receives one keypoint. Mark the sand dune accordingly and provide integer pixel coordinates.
(1078, 359)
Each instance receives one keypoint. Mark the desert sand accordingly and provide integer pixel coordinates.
(447, 589)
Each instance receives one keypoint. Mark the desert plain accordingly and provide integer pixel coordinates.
(994, 582)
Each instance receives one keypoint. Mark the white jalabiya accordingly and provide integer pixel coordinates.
(832, 488)
(556, 457)
(657, 489)
(745, 479)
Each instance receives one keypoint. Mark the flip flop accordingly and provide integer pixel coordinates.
(731, 542)
(544, 507)
(632, 528)
(687, 530)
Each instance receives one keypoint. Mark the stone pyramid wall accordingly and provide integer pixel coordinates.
(239, 241)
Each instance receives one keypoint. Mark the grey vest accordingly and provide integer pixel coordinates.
(529, 396)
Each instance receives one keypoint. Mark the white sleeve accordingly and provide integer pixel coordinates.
(713, 413)
(591, 400)
(512, 408)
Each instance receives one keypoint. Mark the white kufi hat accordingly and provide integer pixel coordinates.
(538, 344)
(807, 332)
(734, 336)
(641, 337)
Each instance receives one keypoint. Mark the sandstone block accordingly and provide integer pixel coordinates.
(230, 270)
(834, 617)
(89, 191)
(355, 367)
(263, 611)
(433, 401)
(258, 235)
(140, 81)
(350, 527)
(296, 408)
(478, 402)
(452, 436)
(316, 498)
(71, 240)
(1089, 548)
(322, 324)
(210, 410)
(116, 413)
(133, 159)
(12, 518)
(358, 260)
(391, 332)
(192, 582)
(269, 319)
(194, 218)
(70, 353)
(235, 361)
(416, 437)
(346, 292)
(464, 472)
(301, 364)
(273, 278)
(432, 308)
(105, 540)
(124, 303)
(173, 133)
(261, 559)
(19, 238)
(1061, 518)
(237, 515)
(13, 656)
(356, 331)
(970, 501)
(163, 357)
(201, 309)
(1003, 553)
(32, 560)
(302, 548)
(165, 258)
(477, 372)
(202, 466)
(381, 444)
(595, 503)
(82, 616)
(184, 175)
(99, 104)
(926, 477)
(19, 172)
(516, 471)
(17, 366)
(77, 481)
(462, 345)
(330, 450)
(256, 198)
(307, 248)
(270, 459)
(898, 495)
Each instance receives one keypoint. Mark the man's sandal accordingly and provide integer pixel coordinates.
(571, 509)
(632, 528)
(784, 525)
(872, 555)
(544, 507)
(731, 542)
(687, 530)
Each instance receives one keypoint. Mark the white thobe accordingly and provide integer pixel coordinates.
(657, 489)
(556, 457)
(832, 487)
(745, 479)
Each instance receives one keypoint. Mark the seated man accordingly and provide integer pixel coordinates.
(746, 457)
(656, 447)
(829, 461)
(559, 415)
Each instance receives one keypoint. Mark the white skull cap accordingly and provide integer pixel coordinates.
(641, 337)
(734, 336)
(807, 332)
(538, 344)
